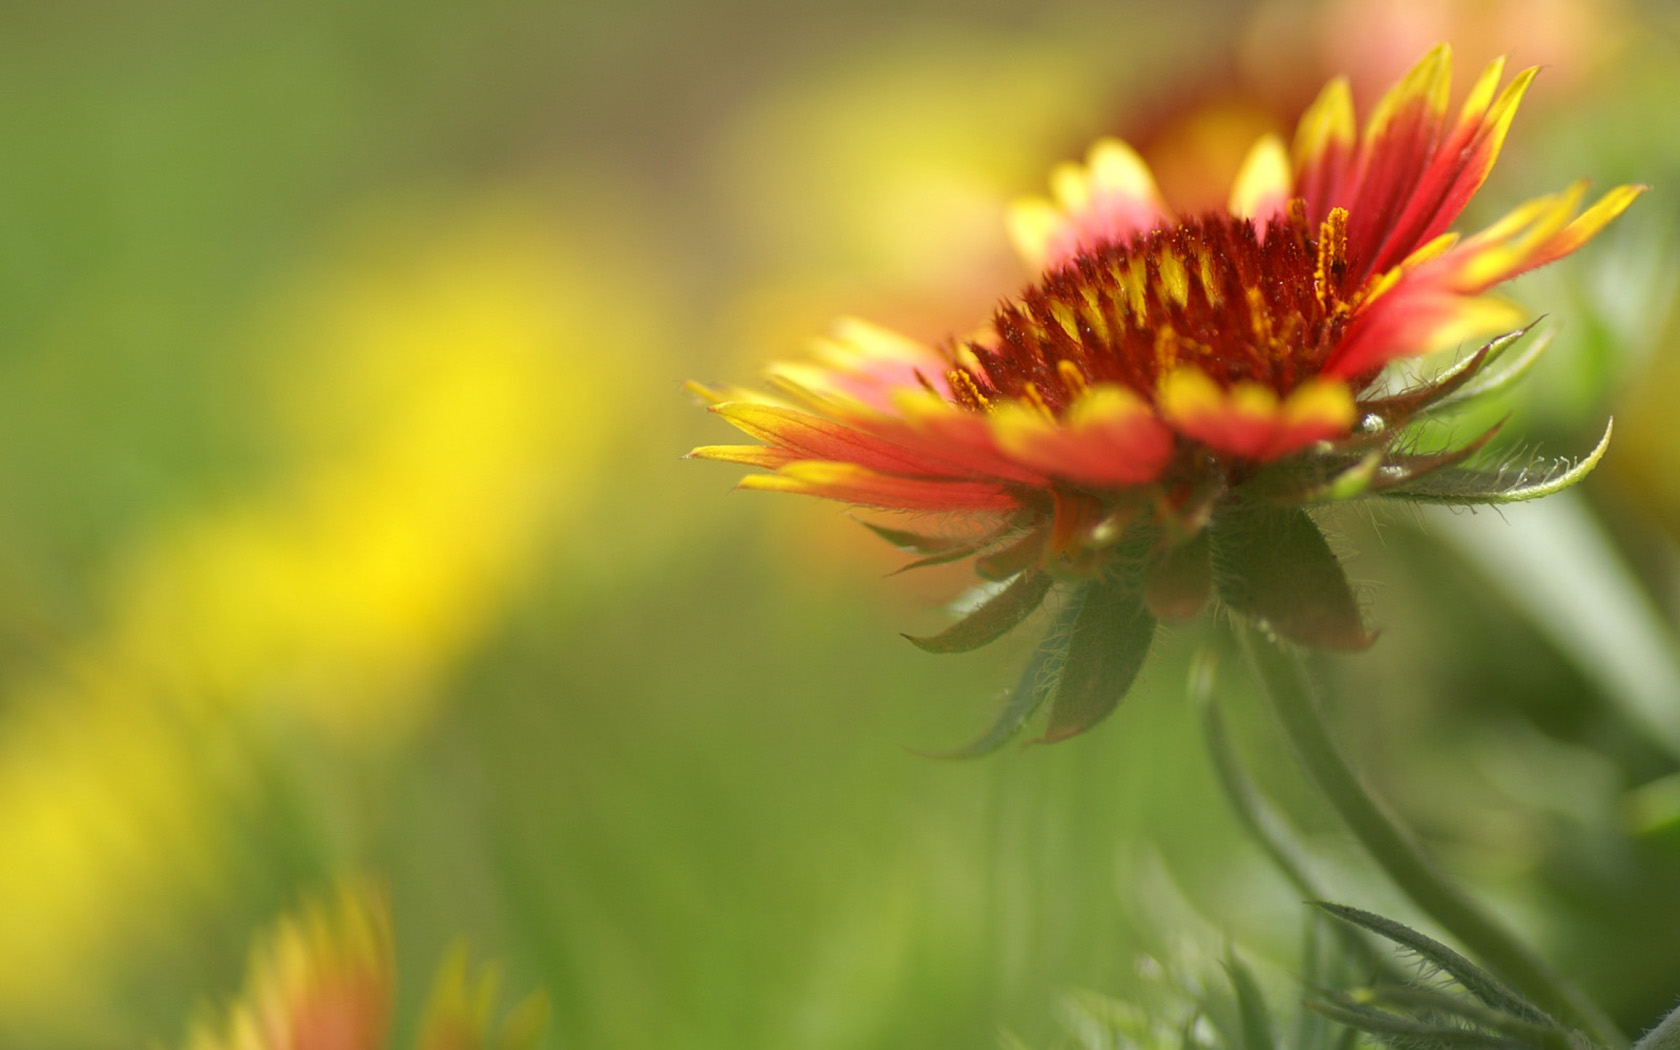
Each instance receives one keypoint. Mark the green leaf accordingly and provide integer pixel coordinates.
(993, 619)
(1037, 681)
(1107, 644)
(1478, 982)
(1435, 1004)
(1512, 482)
(1271, 564)
(1404, 1031)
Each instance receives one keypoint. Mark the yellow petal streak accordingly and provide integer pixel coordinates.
(1328, 124)
(1429, 81)
(1264, 182)
(1249, 419)
(1111, 195)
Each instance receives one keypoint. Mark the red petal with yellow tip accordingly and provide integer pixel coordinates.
(855, 484)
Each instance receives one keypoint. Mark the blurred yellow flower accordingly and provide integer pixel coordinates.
(436, 403)
(433, 406)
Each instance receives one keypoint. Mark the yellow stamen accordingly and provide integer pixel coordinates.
(1332, 255)
(966, 390)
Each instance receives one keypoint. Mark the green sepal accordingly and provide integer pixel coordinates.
(1178, 582)
(1106, 645)
(1487, 383)
(925, 543)
(1459, 383)
(1012, 558)
(1344, 472)
(1511, 482)
(1272, 565)
(1037, 681)
(1403, 469)
(992, 619)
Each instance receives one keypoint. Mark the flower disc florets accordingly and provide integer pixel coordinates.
(1148, 419)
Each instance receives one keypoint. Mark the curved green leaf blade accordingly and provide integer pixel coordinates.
(1478, 982)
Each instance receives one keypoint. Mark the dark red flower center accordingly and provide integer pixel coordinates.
(1209, 292)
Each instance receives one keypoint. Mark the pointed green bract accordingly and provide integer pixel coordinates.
(1029, 694)
(1513, 482)
(923, 543)
(1486, 383)
(1272, 565)
(1011, 558)
(1400, 470)
(993, 619)
(1459, 383)
(1106, 646)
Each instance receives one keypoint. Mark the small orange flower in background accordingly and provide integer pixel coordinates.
(325, 980)
(1145, 423)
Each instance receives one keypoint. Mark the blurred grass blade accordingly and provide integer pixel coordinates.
(1256, 1020)
(1589, 604)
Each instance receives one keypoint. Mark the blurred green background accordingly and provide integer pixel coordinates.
(343, 527)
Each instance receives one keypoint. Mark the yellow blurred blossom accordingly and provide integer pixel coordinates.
(433, 404)
(439, 406)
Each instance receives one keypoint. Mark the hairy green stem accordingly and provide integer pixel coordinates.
(1285, 683)
(1665, 1036)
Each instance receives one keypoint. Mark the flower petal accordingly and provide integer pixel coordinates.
(1264, 183)
(1109, 437)
(813, 437)
(1249, 419)
(1109, 199)
(766, 456)
(1323, 150)
(855, 484)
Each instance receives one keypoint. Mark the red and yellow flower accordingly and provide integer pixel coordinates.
(1147, 420)
(325, 980)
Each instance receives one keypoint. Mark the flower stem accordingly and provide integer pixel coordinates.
(1285, 683)
(1665, 1036)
